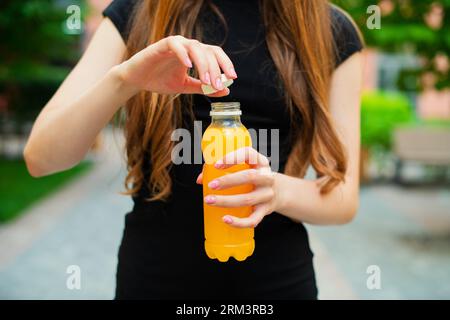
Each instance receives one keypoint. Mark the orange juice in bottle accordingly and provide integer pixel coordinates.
(224, 135)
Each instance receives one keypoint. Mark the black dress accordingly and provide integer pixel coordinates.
(161, 255)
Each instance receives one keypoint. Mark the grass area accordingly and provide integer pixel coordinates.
(18, 189)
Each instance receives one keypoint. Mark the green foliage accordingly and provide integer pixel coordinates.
(381, 112)
(33, 37)
(404, 29)
(35, 52)
(18, 189)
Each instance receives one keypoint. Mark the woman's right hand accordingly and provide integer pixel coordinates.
(162, 67)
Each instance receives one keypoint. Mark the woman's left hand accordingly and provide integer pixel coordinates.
(263, 198)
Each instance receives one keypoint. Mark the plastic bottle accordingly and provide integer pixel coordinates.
(225, 134)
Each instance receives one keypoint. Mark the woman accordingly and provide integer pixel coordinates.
(296, 67)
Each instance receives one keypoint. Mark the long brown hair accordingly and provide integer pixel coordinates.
(300, 41)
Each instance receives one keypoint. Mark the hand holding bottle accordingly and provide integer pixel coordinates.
(264, 198)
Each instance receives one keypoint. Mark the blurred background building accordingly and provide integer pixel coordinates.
(398, 247)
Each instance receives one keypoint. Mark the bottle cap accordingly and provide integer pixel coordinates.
(208, 89)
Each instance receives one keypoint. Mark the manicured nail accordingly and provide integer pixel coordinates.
(219, 164)
(210, 199)
(207, 78)
(188, 62)
(233, 72)
(213, 184)
(219, 84)
(227, 219)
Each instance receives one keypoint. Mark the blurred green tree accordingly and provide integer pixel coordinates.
(419, 27)
(381, 112)
(36, 52)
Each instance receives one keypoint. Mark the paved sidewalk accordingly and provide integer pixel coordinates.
(404, 232)
(79, 225)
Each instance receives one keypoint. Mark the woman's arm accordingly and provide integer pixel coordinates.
(297, 198)
(81, 107)
(101, 83)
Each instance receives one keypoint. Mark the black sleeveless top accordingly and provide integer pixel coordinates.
(161, 255)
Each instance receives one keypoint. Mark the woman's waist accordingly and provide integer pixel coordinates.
(175, 230)
(184, 217)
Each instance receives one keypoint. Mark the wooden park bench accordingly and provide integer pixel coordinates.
(426, 145)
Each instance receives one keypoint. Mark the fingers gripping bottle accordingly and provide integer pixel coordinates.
(225, 134)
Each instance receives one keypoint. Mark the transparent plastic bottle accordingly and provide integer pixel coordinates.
(225, 134)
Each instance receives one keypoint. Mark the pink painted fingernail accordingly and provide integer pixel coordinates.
(207, 78)
(213, 184)
(233, 72)
(219, 164)
(210, 199)
(188, 62)
(219, 84)
(227, 219)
